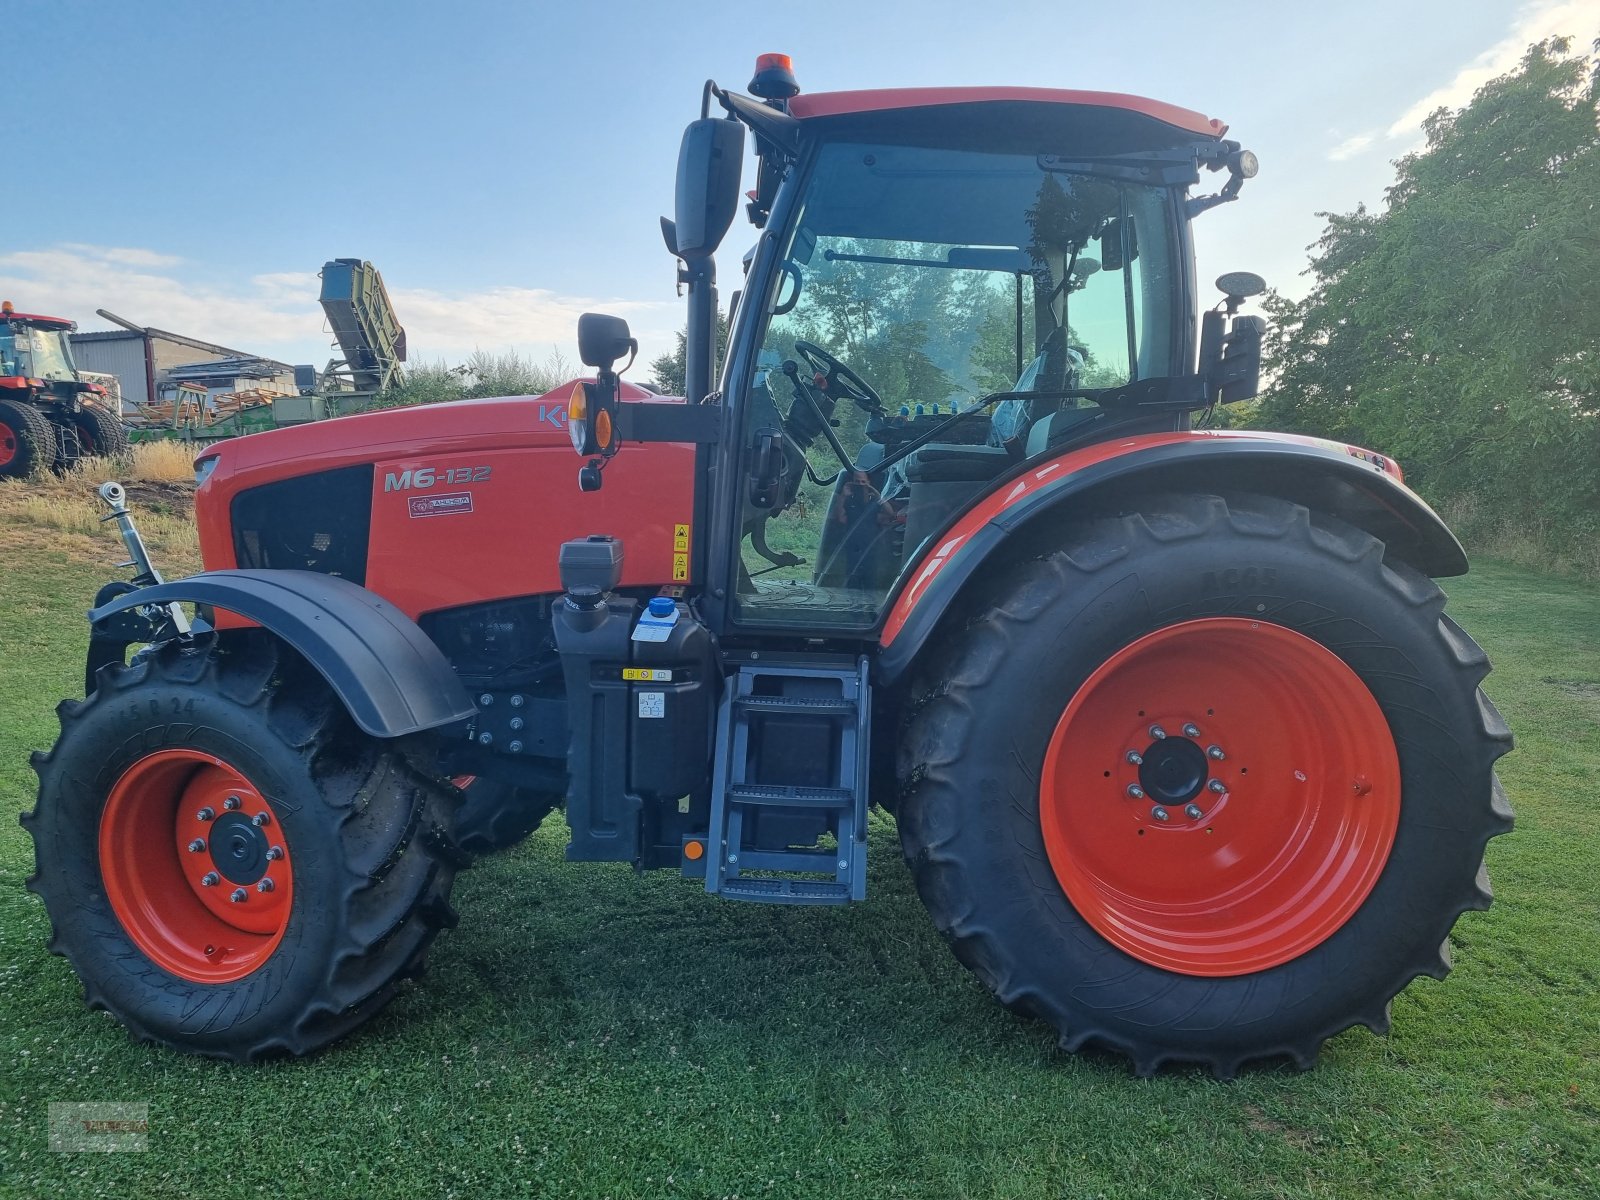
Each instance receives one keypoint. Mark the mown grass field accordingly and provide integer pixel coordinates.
(588, 1033)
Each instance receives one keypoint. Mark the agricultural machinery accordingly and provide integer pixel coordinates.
(1185, 756)
(50, 415)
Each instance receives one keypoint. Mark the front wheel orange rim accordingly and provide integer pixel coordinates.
(1220, 796)
(196, 866)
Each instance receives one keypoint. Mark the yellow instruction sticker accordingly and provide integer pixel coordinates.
(680, 538)
(647, 674)
(680, 567)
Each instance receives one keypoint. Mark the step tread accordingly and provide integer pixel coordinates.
(789, 796)
(830, 705)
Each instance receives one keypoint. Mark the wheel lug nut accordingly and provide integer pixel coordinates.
(205, 814)
(1135, 758)
(274, 853)
(1217, 786)
(1157, 732)
(1191, 730)
(231, 803)
(1193, 812)
(261, 819)
(239, 896)
(210, 879)
(265, 885)
(1135, 791)
(197, 845)
(1159, 813)
(1215, 752)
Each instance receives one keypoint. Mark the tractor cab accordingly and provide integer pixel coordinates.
(949, 283)
(35, 348)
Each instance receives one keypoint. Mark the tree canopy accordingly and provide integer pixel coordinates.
(1458, 327)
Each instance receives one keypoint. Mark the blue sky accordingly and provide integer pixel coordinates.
(193, 164)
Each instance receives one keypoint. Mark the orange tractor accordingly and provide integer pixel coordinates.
(50, 416)
(1185, 756)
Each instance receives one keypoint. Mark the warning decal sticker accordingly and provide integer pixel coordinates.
(680, 553)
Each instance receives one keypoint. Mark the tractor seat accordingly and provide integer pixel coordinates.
(941, 462)
(1058, 427)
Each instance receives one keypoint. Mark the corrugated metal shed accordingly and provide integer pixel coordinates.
(138, 356)
(119, 353)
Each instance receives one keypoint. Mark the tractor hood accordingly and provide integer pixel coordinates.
(505, 421)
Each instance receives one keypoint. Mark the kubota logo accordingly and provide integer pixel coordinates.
(555, 414)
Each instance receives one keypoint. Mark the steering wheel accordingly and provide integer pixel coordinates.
(836, 379)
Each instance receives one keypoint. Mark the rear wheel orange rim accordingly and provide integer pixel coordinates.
(1220, 796)
(196, 866)
(8, 444)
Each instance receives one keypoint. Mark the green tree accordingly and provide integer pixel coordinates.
(667, 370)
(1457, 327)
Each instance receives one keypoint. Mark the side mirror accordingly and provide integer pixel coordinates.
(603, 339)
(709, 167)
(1111, 255)
(1238, 373)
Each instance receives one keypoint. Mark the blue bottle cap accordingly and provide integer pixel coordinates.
(661, 606)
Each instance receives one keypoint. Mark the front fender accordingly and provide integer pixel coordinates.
(389, 676)
(1355, 485)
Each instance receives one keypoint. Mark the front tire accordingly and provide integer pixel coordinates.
(230, 866)
(1077, 814)
(495, 816)
(101, 433)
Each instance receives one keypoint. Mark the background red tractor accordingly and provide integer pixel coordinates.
(49, 415)
(1185, 756)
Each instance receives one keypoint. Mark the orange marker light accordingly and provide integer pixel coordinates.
(602, 429)
(694, 851)
(7, 307)
(766, 62)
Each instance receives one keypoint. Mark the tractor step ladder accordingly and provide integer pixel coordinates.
(809, 723)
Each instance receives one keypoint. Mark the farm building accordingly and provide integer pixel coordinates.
(143, 358)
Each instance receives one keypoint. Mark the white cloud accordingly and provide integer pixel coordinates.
(1350, 147)
(1579, 19)
(276, 314)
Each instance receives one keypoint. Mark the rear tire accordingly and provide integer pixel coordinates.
(987, 793)
(495, 816)
(27, 442)
(101, 433)
(362, 872)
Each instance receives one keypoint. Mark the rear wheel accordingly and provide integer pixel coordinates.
(27, 443)
(100, 432)
(231, 867)
(1239, 807)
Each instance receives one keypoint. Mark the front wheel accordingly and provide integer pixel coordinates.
(230, 866)
(101, 433)
(1210, 783)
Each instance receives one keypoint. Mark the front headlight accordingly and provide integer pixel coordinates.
(590, 430)
(578, 419)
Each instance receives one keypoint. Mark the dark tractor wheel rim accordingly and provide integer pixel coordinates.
(195, 866)
(8, 444)
(1220, 796)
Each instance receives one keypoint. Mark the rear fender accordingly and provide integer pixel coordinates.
(390, 677)
(1355, 485)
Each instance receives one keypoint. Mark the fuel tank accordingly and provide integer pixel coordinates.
(443, 505)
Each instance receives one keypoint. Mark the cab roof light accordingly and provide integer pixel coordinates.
(774, 78)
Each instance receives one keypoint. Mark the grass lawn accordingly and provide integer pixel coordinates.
(588, 1033)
